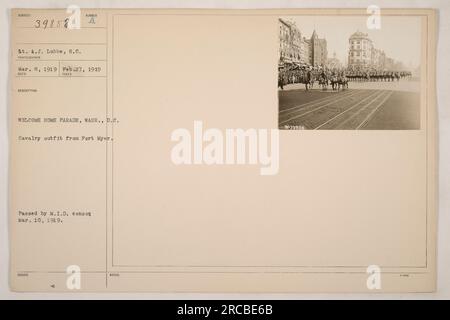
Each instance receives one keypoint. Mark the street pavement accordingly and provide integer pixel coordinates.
(365, 105)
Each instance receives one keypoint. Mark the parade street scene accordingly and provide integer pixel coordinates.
(340, 75)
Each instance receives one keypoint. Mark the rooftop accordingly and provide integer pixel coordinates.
(358, 34)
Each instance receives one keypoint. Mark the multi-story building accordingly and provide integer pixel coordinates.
(318, 53)
(284, 40)
(304, 51)
(295, 48)
(362, 55)
(360, 51)
(296, 42)
(378, 59)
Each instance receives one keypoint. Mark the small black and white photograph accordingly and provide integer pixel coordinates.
(342, 73)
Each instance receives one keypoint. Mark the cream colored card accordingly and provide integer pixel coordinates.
(176, 150)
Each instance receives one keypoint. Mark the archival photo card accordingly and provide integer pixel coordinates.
(151, 150)
(349, 72)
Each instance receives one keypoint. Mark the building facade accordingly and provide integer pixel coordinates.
(304, 51)
(318, 53)
(363, 56)
(295, 48)
(378, 59)
(360, 51)
(284, 40)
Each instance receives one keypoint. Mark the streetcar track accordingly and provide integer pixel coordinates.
(317, 102)
(370, 115)
(357, 113)
(314, 102)
(321, 107)
(377, 93)
(383, 95)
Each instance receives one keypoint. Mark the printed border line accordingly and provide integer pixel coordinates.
(427, 41)
(226, 272)
(106, 150)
